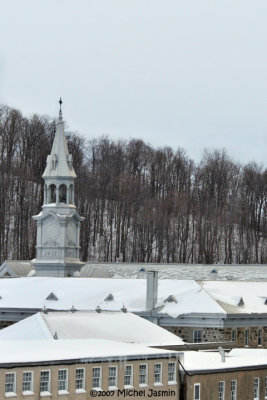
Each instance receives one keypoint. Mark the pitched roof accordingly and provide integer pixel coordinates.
(28, 351)
(117, 326)
(59, 162)
(16, 268)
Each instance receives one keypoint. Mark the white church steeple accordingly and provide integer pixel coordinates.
(58, 224)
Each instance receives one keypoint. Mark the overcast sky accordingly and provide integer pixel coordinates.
(179, 73)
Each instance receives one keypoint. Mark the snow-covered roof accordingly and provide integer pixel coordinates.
(117, 326)
(238, 297)
(176, 271)
(15, 268)
(87, 294)
(26, 351)
(237, 358)
(166, 271)
(215, 297)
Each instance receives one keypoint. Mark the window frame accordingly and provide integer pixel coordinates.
(234, 335)
(131, 376)
(115, 367)
(96, 377)
(49, 380)
(221, 392)
(61, 380)
(197, 385)
(170, 381)
(259, 338)
(80, 379)
(9, 383)
(246, 338)
(256, 396)
(145, 375)
(32, 375)
(158, 373)
(233, 391)
(197, 336)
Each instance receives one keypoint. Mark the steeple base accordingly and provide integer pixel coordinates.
(58, 269)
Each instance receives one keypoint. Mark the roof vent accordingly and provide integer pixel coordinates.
(171, 299)
(98, 309)
(265, 302)
(52, 296)
(241, 302)
(124, 309)
(55, 335)
(73, 309)
(110, 297)
(44, 310)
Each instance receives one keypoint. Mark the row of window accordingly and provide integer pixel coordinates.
(233, 390)
(96, 379)
(197, 336)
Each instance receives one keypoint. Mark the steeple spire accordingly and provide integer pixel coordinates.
(60, 111)
(59, 162)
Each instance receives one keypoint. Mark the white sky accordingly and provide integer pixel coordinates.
(185, 73)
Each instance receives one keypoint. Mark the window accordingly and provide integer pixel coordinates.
(233, 389)
(10, 386)
(52, 193)
(259, 337)
(96, 383)
(143, 374)
(171, 372)
(233, 335)
(265, 388)
(221, 390)
(128, 375)
(247, 337)
(196, 336)
(256, 388)
(27, 381)
(62, 379)
(112, 376)
(157, 373)
(79, 381)
(45, 381)
(62, 193)
(197, 391)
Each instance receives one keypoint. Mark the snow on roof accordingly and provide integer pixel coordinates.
(238, 297)
(117, 326)
(176, 271)
(16, 268)
(52, 350)
(201, 360)
(87, 294)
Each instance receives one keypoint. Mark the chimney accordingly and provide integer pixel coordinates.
(222, 353)
(151, 289)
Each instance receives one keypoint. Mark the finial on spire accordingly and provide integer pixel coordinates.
(60, 102)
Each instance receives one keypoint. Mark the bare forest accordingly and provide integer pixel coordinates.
(140, 204)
